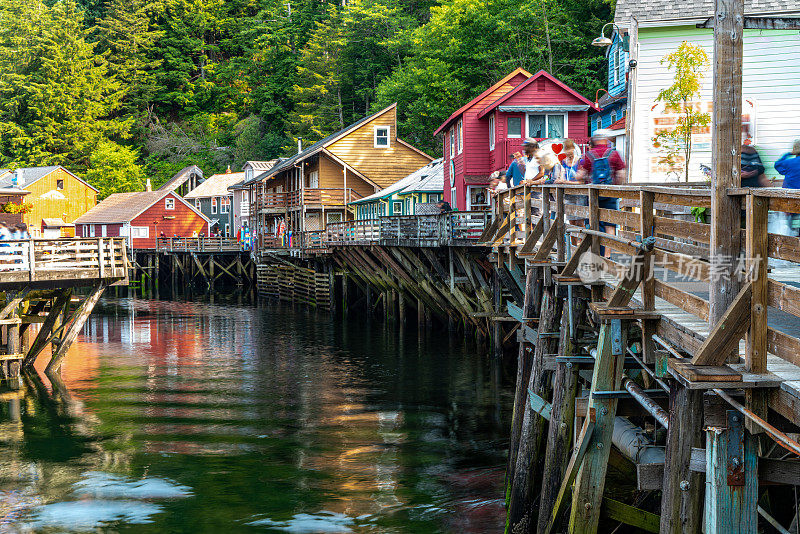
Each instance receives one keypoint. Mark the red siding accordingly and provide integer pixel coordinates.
(186, 222)
(543, 92)
(112, 230)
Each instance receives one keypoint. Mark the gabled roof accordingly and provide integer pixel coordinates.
(481, 96)
(215, 185)
(125, 207)
(180, 177)
(320, 145)
(428, 178)
(521, 87)
(31, 175)
(261, 165)
(619, 125)
(654, 10)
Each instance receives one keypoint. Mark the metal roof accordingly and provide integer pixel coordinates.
(261, 165)
(216, 185)
(429, 178)
(180, 177)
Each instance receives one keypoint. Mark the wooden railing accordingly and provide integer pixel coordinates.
(271, 201)
(500, 157)
(323, 197)
(198, 244)
(681, 247)
(61, 259)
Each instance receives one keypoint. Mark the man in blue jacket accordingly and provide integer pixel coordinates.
(789, 167)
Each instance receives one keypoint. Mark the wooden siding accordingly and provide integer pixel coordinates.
(770, 75)
(80, 198)
(185, 224)
(384, 166)
(617, 63)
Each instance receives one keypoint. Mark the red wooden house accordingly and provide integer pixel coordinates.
(142, 217)
(481, 136)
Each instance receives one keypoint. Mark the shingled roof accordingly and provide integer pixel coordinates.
(655, 10)
(125, 207)
(216, 185)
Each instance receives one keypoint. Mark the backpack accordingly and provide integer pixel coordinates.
(601, 167)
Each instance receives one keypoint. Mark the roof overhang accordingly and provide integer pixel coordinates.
(542, 109)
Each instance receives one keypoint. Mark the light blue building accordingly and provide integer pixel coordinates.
(614, 102)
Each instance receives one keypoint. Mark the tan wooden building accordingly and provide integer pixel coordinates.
(57, 197)
(314, 187)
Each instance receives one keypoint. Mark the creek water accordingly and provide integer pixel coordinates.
(191, 416)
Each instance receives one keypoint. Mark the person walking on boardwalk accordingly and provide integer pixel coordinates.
(602, 165)
(752, 168)
(789, 167)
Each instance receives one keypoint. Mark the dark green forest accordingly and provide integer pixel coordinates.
(118, 90)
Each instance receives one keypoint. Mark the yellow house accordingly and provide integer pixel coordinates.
(57, 197)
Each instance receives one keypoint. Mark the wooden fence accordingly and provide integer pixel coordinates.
(198, 244)
(40, 260)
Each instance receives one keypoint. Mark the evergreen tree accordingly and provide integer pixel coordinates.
(59, 96)
(114, 169)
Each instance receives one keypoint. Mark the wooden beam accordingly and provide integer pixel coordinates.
(60, 303)
(76, 323)
(630, 515)
(761, 23)
(724, 337)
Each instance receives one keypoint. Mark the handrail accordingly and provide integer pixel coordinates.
(103, 257)
(198, 244)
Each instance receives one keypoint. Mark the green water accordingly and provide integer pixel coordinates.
(198, 417)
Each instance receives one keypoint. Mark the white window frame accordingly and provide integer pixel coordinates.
(491, 132)
(197, 203)
(214, 205)
(522, 127)
(613, 117)
(388, 136)
(248, 173)
(453, 198)
(395, 211)
(452, 142)
(245, 195)
(225, 204)
(460, 128)
(615, 61)
(140, 232)
(547, 123)
(598, 123)
(103, 230)
(169, 203)
(91, 230)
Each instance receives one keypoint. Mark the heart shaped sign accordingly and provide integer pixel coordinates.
(557, 147)
(562, 157)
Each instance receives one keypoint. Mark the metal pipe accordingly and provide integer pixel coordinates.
(667, 346)
(660, 382)
(645, 245)
(646, 402)
(782, 439)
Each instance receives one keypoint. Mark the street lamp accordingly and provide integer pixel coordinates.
(604, 41)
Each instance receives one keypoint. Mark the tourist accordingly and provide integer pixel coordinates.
(533, 171)
(515, 173)
(752, 168)
(444, 206)
(550, 170)
(21, 231)
(602, 165)
(789, 167)
(571, 160)
(5, 232)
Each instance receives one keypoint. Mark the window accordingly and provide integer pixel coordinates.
(452, 142)
(91, 230)
(60, 185)
(453, 196)
(514, 127)
(227, 230)
(333, 217)
(214, 204)
(245, 196)
(460, 136)
(225, 205)
(313, 179)
(197, 203)
(397, 207)
(248, 173)
(169, 204)
(598, 124)
(381, 137)
(103, 230)
(614, 64)
(434, 197)
(613, 117)
(546, 126)
(491, 132)
(140, 231)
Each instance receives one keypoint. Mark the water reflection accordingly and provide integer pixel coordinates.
(189, 416)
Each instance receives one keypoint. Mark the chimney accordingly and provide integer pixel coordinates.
(148, 186)
(299, 144)
(228, 170)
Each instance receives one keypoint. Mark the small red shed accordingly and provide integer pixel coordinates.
(482, 135)
(142, 217)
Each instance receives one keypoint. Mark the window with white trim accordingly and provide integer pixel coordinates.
(214, 204)
(197, 203)
(248, 173)
(169, 203)
(397, 207)
(453, 196)
(514, 127)
(91, 230)
(460, 136)
(614, 64)
(613, 117)
(333, 217)
(452, 142)
(141, 232)
(542, 126)
(225, 205)
(491, 131)
(599, 124)
(382, 137)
